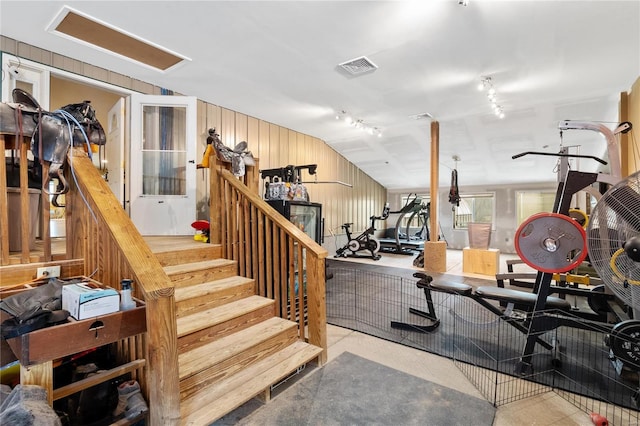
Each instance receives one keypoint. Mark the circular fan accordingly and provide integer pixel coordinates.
(613, 240)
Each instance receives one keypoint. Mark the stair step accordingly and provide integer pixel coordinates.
(198, 272)
(224, 357)
(205, 326)
(211, 294)
(170, 255)
(212, 402)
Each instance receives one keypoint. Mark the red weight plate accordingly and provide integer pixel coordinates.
(551, 242)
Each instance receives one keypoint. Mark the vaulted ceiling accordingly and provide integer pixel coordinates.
(278, 61)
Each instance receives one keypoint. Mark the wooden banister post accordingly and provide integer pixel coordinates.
(214, 204)
(164, 384)
(253, 177)
(317, 307)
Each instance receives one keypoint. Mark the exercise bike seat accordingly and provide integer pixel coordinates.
(520, 297)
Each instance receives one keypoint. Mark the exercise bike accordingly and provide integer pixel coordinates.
(364, 241)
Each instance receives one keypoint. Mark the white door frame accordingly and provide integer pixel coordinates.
(8, 59)
(158, 214)
(14, 68)
(11, 62)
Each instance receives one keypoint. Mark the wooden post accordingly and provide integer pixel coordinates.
(435, 182)
(623, 113)
(435, 252)
(214, 204)
(41, 375)
(317, 308)
(4, 212)
(25, 214)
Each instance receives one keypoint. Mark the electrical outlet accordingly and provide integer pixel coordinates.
(49, 272)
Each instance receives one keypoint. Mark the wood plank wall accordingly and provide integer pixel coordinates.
(277, 146)
(630, 145)
(274, 145)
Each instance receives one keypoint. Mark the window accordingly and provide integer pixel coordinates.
(474, 208)
(529, 203)
(163, 150)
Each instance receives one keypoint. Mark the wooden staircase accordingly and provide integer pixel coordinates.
(231, 345)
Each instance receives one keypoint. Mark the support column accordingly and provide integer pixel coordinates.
(435, 252)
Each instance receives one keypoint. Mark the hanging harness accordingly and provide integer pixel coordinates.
(454, 194)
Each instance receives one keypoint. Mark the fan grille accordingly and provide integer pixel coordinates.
(614, 220)
(358, 66)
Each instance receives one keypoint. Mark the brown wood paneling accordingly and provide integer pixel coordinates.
(253, 135)
(277, 146)
(264, 134)
(274, 146)
(292, 148)
(227, 129)
(241, 128)
(630, 149)
(95, 33)
(214, 117)
(283, 146)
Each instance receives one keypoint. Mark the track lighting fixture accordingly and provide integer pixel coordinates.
(486, 84)
(358, 123)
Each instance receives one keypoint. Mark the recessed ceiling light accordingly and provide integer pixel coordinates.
(90, 31)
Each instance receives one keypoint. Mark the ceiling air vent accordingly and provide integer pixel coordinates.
(358, 66)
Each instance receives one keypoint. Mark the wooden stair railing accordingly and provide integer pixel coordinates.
(20, 148)
(284, 261)
(100, 231)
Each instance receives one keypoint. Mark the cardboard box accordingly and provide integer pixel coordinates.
(87, 300)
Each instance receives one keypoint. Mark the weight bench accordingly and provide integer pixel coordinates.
(513, 298)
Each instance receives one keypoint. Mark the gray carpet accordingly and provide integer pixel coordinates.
(351, 390)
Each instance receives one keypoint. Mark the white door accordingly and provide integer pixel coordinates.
(162, 170)
(114, 150)
(25, 75)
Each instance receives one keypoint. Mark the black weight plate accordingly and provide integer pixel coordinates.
(625, 342)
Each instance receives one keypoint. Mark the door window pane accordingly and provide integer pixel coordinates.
(164, 150)
(163, 173)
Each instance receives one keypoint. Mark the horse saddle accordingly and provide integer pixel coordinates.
(52, 133)
(19, 117)
(24, 114)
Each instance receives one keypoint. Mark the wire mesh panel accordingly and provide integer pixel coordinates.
(364, 301)
(570, 355)
(593, 376)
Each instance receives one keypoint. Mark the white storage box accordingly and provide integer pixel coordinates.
(87, 300)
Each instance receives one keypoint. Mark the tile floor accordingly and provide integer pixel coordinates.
(545, 409)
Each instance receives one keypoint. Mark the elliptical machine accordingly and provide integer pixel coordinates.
(364, 241)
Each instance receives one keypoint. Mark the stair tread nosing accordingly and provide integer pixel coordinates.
(209, 287)
(196, 266)
(207, 318)
(213, 402)
(205, 356)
